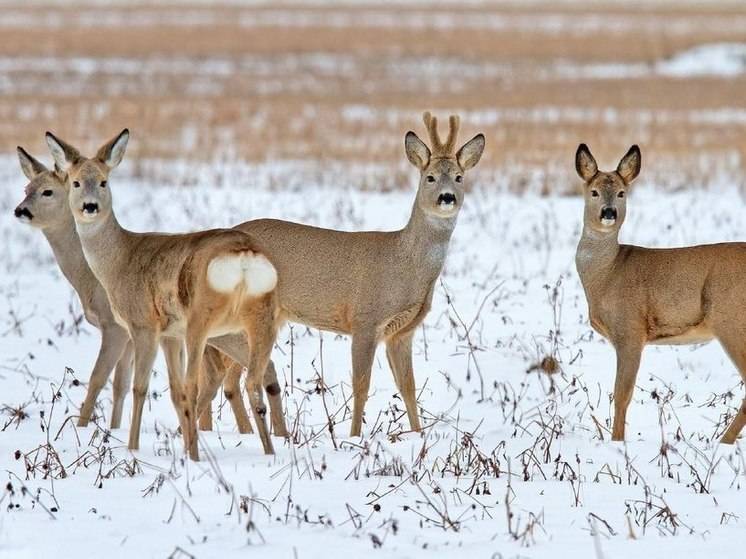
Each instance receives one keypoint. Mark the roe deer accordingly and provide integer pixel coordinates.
(376, 286)
(191, 287)
(46, 207)
(638, 296)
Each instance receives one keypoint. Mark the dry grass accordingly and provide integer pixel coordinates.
(344, 83)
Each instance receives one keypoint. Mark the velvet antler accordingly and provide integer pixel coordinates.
(440, 149)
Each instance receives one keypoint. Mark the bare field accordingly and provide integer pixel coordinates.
(345, 82)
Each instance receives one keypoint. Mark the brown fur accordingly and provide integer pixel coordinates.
(375, 286)
(639, 296)
(157, 286)
(51, 214)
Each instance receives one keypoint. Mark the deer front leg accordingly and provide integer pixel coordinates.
(122, 383)
(736, 426)
(628, 353)
(145, 343)
(235, 347)
(732, 341)
(113, 340)
(232, 391)
(214, 373)
(363, 352)
(399, 354)
(274, 394)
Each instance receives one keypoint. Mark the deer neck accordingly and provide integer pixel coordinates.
(426, 238)
(65, 243)
(103, 244)
(596, 255)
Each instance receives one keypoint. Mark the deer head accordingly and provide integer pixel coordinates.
(605, 193)
(87, 179)
(45, 204)
(441, 190)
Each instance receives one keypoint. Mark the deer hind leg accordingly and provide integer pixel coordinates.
(628, 354)
(145, 343)
(363, 352)
(122, 383)
(734, 347)
(196, 342)
(213, 373)
(274, 394)
(113, 341)
(399, 354)
(173, 352)
(261, 333)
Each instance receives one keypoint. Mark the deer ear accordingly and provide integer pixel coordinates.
(30, 166)
(629, 166)
(64, 154)
(112, 152)
(585, 164)
(417, 152)
(471, 152)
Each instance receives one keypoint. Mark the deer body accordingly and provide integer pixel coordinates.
(375, 286)
(189, 287)
(387, 282)
(46, 207)
(639, 296)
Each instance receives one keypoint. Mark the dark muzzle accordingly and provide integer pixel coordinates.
(90, 208)
(21, 212)
(447, 198)
(608, 213)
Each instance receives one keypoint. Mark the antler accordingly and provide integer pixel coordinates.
(438, 147)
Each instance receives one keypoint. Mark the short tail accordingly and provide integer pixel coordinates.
(227, 272)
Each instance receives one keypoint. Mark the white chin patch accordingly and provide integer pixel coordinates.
(447, 208)
(608, 222)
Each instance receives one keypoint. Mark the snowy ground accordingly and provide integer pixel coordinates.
(514, 463)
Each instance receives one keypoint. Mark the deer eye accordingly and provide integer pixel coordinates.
(620, 194)
(103, 184)
(76, 184)
(47, 193)
(430, 178)
(594, 193)
(459, 178)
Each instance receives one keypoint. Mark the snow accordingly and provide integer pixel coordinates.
(523, 438)
(718, 59)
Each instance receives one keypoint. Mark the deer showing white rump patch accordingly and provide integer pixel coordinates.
(225, 273)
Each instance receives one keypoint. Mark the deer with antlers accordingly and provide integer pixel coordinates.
(46, 207)
(192, 287)
(375, 286)
(639, 296)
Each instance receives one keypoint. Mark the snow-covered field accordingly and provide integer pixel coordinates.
(514, 462)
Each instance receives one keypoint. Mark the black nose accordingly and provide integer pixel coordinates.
(23, 211)
(608, 213)
(447, 198)
(90, 208)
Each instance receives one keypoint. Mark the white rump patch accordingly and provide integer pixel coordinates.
(225, 273)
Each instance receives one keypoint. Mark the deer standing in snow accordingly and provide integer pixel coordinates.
(639, 296)
(190, 287)
(375, 286)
